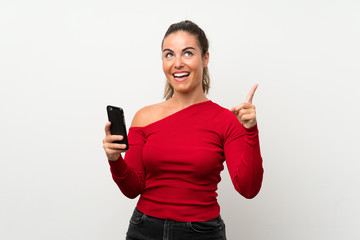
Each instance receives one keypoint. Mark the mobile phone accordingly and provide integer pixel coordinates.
(117, 127)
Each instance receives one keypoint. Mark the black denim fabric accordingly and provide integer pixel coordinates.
(144, 227)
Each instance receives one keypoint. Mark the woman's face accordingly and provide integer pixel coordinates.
(183, 63)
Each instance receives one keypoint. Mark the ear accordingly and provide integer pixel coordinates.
(206, 59)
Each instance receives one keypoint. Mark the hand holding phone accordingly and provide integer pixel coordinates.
(117, 127)
(116, 140)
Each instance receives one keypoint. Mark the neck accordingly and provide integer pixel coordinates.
(183, 100)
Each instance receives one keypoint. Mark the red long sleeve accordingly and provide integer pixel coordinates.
(242, 154)
(175, 163)
(129, 175)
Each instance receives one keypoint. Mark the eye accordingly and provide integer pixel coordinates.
(188, 54)
(168, 55)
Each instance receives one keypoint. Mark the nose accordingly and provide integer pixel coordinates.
(178, 62)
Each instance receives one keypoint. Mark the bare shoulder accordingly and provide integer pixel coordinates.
(148, 115)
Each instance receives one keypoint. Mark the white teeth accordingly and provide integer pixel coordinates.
(180, 74)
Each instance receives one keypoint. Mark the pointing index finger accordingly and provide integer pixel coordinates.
(251, 94)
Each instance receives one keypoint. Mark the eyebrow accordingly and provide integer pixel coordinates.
(187, 48)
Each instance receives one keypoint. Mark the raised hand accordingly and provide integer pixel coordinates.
(112, 150)
(245, 112)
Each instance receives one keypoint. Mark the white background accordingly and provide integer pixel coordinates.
(62, 62)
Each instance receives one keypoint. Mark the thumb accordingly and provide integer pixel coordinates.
(107, 128)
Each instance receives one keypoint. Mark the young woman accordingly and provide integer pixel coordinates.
(178, 147)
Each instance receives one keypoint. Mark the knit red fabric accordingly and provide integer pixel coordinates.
(175, 163)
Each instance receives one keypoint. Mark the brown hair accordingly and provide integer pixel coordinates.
(193, 29)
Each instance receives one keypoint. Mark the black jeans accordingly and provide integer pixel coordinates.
(144, 227)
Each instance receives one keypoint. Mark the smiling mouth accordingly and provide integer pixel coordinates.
(181, 76)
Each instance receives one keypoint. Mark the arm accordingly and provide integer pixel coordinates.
(243, 158)
(242, 149)
(129, 173)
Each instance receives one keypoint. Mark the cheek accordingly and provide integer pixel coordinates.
(198, 67)
(167, 70)
(165, 67)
